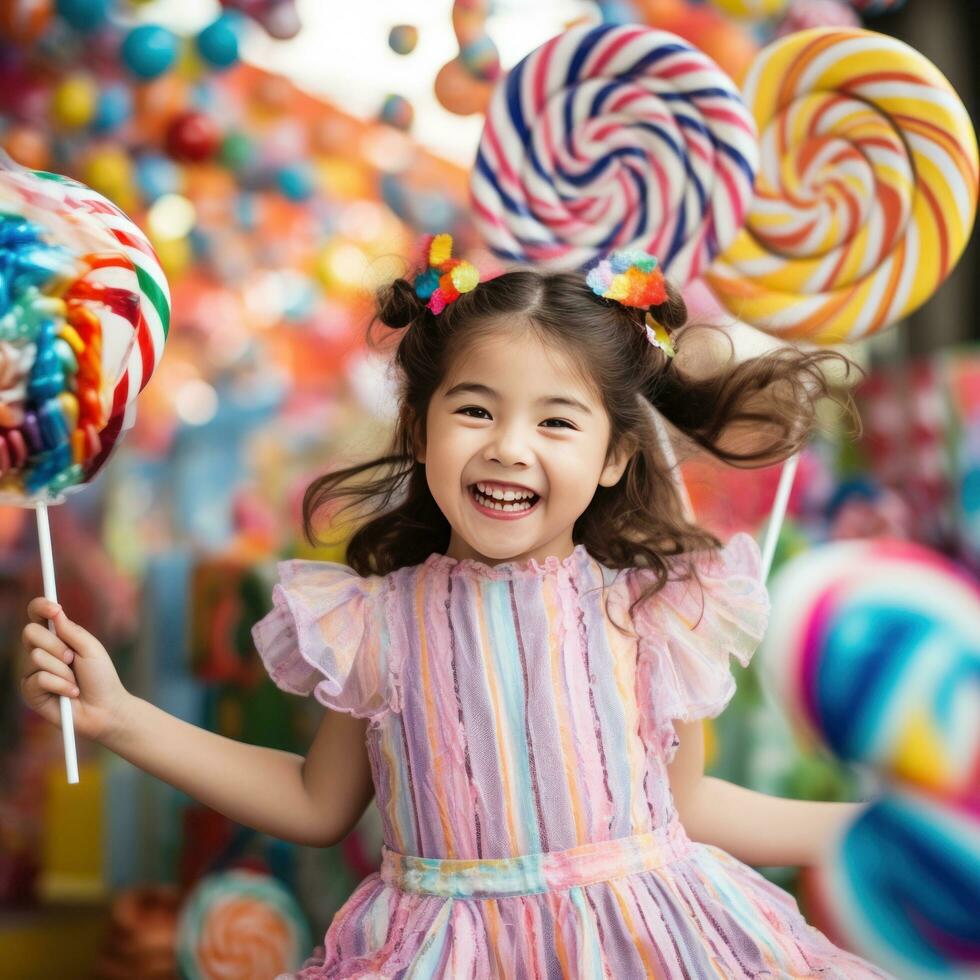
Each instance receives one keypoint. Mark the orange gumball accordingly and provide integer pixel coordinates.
(654, 10)
(459, 92)
(720, 38)
(24, 21)
(28, 146)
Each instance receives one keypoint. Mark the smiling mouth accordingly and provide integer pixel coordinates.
(512, 502)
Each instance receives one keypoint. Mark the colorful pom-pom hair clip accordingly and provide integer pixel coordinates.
(444, 279)
(632, 277)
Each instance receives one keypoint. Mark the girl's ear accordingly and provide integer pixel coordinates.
(617, 461)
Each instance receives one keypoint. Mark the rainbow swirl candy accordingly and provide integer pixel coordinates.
(874, 648)
(866, 193)
(84, 313)
(614, 137)
(903, 884)
(240, 925)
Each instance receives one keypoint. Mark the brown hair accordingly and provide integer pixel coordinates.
(748, 414)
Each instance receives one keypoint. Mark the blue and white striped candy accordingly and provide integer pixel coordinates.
(614, 137)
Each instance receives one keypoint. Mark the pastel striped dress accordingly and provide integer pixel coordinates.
(518, 742)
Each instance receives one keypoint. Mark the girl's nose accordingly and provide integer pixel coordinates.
(509, 448)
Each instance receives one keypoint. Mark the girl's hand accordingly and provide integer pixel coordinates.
(70, 662)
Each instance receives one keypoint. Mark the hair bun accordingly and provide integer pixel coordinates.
(398, 305)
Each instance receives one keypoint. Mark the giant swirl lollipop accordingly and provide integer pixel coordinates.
(84, 313)
(873, 648)
(613, 137)
(866, 193)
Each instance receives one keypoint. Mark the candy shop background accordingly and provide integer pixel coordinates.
(280, 159)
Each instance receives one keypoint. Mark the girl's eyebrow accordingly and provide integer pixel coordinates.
(474, 388)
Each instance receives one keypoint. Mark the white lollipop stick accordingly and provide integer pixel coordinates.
(50, 592)
(779, 506)
(667, 447)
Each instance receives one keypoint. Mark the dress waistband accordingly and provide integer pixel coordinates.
(531, 873)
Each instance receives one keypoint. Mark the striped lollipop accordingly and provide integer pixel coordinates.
(612, 137)
(867, 188)
(86, 308)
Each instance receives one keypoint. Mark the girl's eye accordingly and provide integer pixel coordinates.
(475, 408)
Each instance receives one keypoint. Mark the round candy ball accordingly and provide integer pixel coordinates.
(296, 181)
(481, 59)
(149, 50)
(157, 176)
(750, 9)
(24, 21)
(403, 38)
(28, 145)
(397, 111)
(192, 137)
(74, 101)
(217, 44)
(459, 92)
(114, 107)
(83, 15)
(238, 152)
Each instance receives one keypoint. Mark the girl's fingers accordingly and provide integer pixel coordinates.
(37, 636)
(80, 640)
(49, 684)
(42, 660)
(40, 610)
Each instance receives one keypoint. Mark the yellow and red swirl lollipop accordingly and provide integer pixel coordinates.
(866, 191)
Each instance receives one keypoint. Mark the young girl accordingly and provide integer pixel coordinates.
(527, 638)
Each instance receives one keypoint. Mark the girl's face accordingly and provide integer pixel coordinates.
(516, 444)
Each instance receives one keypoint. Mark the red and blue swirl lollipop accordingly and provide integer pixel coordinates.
(611, 137)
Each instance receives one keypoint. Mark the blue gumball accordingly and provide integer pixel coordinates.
(149, 50)
(295, 181)
(114, 107)
(157, 175)
(217, 44)
(84, 15)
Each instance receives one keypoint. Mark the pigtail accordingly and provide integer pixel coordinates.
(748, 413)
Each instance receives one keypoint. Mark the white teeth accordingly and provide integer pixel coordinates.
(496, 503)
(498, 494)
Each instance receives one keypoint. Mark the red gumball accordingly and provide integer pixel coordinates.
(192, 137)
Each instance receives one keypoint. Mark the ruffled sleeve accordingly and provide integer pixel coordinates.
(327, 634)
(689, 629)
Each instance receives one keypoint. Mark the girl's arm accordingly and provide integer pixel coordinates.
(312, 801)
(752, 827)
